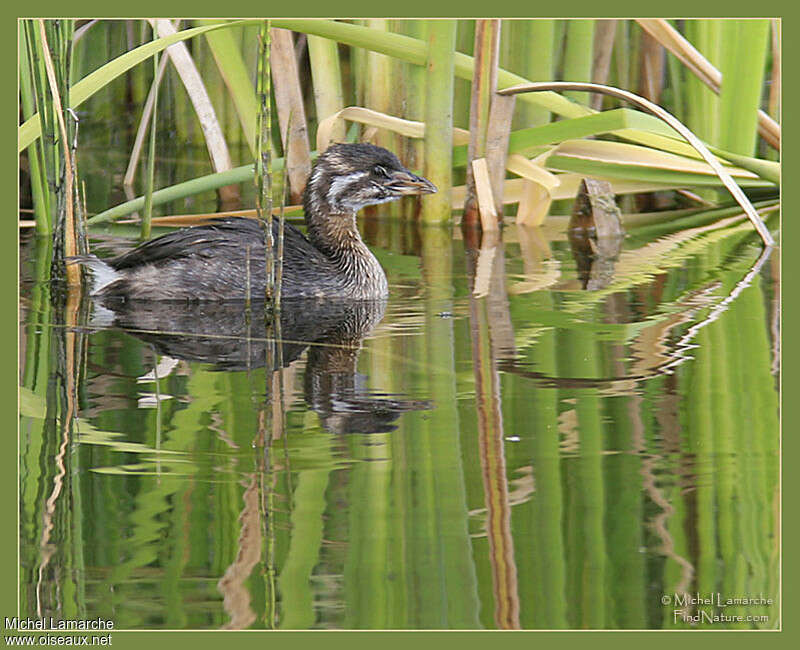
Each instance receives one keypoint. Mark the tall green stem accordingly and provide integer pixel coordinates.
(147, 214)
(538, 64)
(578, 55)
(484, 83)
(438, 147)
(745, 50)
(264, 154)
(327, 76)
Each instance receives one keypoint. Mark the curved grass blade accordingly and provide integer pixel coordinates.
(407, 128)
(623, 160)
(412, 50)
(179, 191)
(529, 141)
(659, 112)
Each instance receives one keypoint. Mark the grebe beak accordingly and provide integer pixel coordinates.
(405, 183)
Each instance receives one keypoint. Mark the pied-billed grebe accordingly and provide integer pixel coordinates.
(211, 262)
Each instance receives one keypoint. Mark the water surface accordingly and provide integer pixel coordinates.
(496, 446)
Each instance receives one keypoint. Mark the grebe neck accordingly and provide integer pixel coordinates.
(337, 237)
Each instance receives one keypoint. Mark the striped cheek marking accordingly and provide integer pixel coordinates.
(340, 185)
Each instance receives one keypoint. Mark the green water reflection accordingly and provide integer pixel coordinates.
(501, 450)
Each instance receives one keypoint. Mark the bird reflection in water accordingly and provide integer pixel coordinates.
(232, 337)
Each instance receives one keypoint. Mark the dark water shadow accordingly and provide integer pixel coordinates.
(233, 336)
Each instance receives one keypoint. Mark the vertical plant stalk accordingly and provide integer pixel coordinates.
(604, 33)
(650, 84)
(702, 114)
(79, 195)
(279, 253)
(277, 391)
(247, 295)
(622, 54)
(438, 145)
(263, 167)
(775, 85)
(508, 54)
(677, 82)
(70, 239)
(307, 517)
(397, 81)
(465, 41)
(578, 53)
(147, 213)
(651, 68)
(144, 123)
(291, 112)
(437, 451)
(263, 442)
(540, 63)
(326, 75)
(41, 205)
(624, 537)
(414, 95)
(745, 48)
(485, 196)
(358, 66)
(379, 82)
(484, 83)
(48, 146)
(703, 69)
(497, 136)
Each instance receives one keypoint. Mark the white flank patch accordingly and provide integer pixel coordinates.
(102, 274)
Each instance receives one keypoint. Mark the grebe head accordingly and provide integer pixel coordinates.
(348, 177)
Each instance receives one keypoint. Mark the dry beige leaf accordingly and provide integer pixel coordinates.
(407, 128)
(483, 187)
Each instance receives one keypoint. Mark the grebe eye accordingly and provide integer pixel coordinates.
(381, 171)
